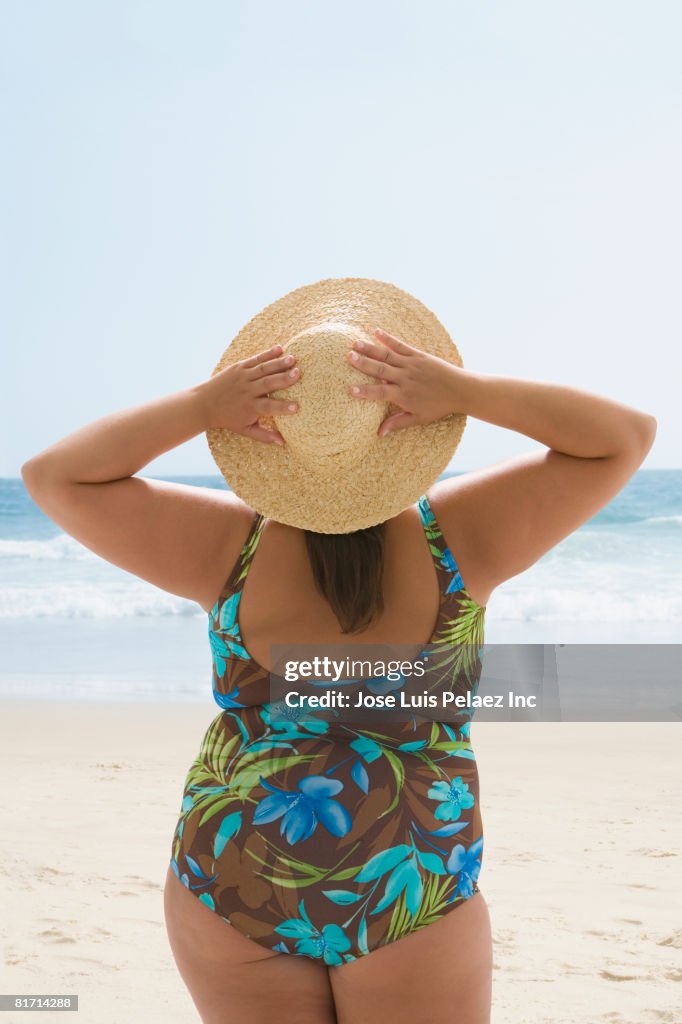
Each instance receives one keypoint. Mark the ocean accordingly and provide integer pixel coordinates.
(74, 627)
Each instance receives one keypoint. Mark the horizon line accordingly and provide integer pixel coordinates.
(645, 469)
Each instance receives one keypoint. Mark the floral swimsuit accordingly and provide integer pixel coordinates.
(317, 838)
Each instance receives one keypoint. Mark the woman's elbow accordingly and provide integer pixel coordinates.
(643, 435)
(28, 470)
(650, 426)
(34, 472)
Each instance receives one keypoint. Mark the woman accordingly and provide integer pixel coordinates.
(349, 848)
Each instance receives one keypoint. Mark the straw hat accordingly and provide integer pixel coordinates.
(334, 474)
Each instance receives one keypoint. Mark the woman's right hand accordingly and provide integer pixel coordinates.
(423, 386)
(234, 398)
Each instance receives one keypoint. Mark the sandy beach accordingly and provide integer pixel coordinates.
(581, 869)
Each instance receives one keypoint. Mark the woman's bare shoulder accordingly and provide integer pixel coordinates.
(225, 522)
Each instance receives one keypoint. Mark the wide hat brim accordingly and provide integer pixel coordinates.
(389, 473)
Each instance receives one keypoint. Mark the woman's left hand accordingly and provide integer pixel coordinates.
(423, 386)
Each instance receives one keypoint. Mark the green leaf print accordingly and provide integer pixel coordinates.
(248, 552)
(215, 809)
(398, 769)
(245, 779)
(216, 751)
(434, 902)
(465, 635)
(302, 873)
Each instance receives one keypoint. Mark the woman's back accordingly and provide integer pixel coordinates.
(280, 604)
(287, 615)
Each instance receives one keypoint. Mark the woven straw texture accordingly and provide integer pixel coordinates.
(334, 474)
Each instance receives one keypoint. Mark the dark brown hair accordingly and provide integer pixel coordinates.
(348, 570)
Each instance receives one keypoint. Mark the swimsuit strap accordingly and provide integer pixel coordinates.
(446, 567)
(241, 567)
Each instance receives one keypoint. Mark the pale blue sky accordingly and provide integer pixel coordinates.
(169, 169)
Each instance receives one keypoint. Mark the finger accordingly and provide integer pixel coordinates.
(377, 351)
(395, 344)
(268, 366)
(260, 357)
(275, 381)
(275, 406)
(374, 367)
(266, 434)
(377, 392)
(396, 422)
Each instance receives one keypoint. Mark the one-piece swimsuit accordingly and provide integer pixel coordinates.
(330, 839)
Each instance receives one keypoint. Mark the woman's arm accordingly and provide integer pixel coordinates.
(502, 518)
(166, 533)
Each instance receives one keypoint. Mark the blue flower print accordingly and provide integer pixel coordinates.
(369, 751)
(402, 863)
(448, 562)
(280, 716)
(225, 639)
(367, 748)
(405, 876)
(428, 517)
(446, 559)
(327, 944)
(466, 864)
(454, 797)
(300, 811)
(227, 700)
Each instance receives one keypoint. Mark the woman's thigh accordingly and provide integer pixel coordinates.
(441, 974)
(233, 980)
